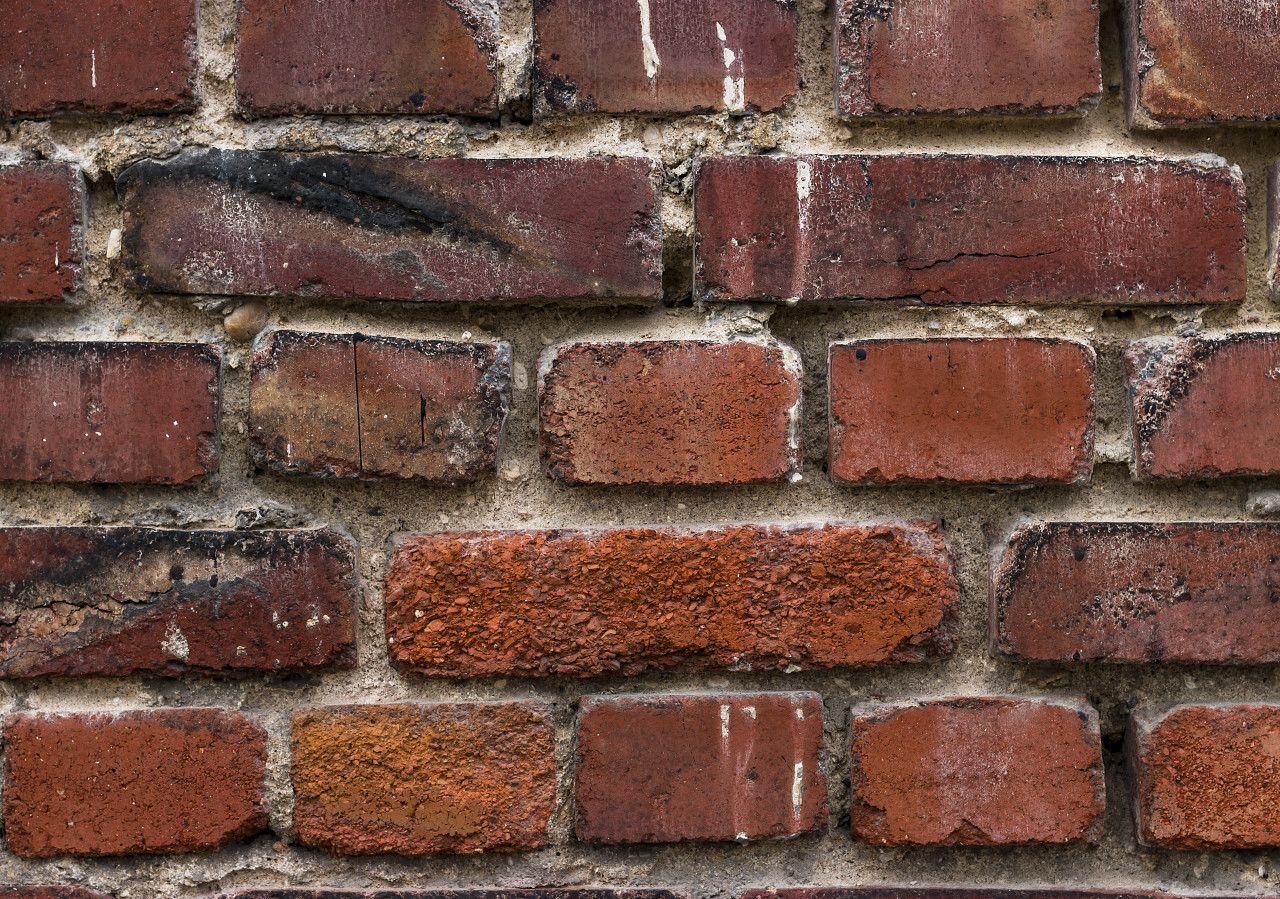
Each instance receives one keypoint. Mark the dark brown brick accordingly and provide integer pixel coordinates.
(962, 411)
(378, 56)
(117, 601)
(937, 230)
(42, 215)
(949, 893)
(47, 892)
(664, 56)
(540, 893)
(419, 779)
(385, 228)
(109, 413)
(670, 412)
(664, 769)
(965, 57)
(628, 600)
(97, 56)
(159, 781)
(977, 772)
(353, 406)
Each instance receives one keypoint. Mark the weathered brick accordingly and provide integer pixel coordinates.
(537, 893)
(47, 892)
(935, 230)
(384, 56)
(1205, 406)
(962, 411)
(670, 412)
(976, 772)
(948, 893)
(158, 781)
(418, 779)
(1139, 592)
(97, 56)
(353, 406)
(965, 57)
(116, 601)
(1206, 777)
(664, 56)
(1191, 62)
(664, 769)
(109, 413)
(583, 603)
(42, 215)
(387, 228)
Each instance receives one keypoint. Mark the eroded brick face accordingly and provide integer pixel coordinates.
(48, 892)
(541, 893)
(42, 217)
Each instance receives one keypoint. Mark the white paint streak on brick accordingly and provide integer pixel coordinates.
(797, 790)
(651, 61)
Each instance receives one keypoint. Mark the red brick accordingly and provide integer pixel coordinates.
(384, 56)
(160, 781)
(948, 892)
(965, 57)
(1207, 777)
(664, 56)
(537, 893)
(976, 772)
(387, 228)
(109, 413)
(1187, 61)
(353, 406)
(669, 412)
(1139, 592)
(42, 215)
(938, 230)
(418, 779)
(116, 601)
(97, 56)
(583, 603)
(664, 769)
(962, 411)
(47, 892)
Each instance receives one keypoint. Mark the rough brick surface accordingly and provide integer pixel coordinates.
(48, 892)
(378, 227)
(169, 780)
(539, 893)
(1207, 777)
(969, 229)
(946, 893)
(353, 406)
(664, 56)
(97, 56)
(42, 216)
(1205, 406)
(416, 779)
(961, 57)
(661, 769)
(976, 772)
(405, 56)
(116, 601)
(962, 411)
(109, 413)
(1137, 592)
(672, 412)
(582, 603)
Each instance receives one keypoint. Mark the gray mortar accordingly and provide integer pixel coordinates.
(523, 497)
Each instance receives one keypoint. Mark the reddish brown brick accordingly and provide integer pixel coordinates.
(109, 413)
(161, 781)
(628, 600)
(935, 230)
(1207, 777)
(976, 772)
(539, 893)
(352, 406)
(664, 56)
(420, 779)
(670, 412)
(117, 601)
(384, 56)
(964, 57)
(664, 769)
(97, 56)
(42, 215)
(1138, 592)
(386, 228)
(949, 893)
(47, 892)
(962, 411)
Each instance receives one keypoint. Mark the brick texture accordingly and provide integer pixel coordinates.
(42, 217)
(976, 772)
(48, 892)
(540, 893)
(947, 893)
(662, 769)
